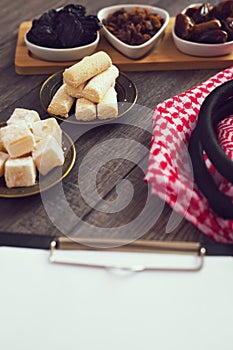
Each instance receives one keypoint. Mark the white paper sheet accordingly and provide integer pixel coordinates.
(45, 306)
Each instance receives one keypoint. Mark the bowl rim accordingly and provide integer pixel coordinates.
(52, 49)
(148, 42)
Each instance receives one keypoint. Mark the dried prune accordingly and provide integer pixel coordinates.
(77, 10)
(65, 28)
(43, 35)
(68, 35)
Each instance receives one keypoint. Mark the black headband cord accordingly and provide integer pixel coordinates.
(217, 106)
(208, 118)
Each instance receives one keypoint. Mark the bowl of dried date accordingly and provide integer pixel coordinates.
(134, 30)
(205, 30)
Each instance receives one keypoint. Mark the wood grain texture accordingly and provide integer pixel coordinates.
(28, 215)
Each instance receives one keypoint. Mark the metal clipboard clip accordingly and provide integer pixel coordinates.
(147, 249)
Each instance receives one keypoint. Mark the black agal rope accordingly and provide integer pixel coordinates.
(216, 107)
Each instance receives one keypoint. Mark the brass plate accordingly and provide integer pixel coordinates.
(126, 96)
(47, 181)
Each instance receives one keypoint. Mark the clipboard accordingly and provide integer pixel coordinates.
(60, 306)
(62, 245)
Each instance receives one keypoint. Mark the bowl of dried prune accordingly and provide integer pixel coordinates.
(63, 34)
(134, 30)
(205, 30)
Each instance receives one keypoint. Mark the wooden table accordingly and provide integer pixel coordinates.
(28, 215)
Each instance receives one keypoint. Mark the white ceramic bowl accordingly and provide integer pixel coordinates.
(133, 51)
(73, 54)
(199, 49)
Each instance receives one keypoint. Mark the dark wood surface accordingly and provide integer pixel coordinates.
(28, 215)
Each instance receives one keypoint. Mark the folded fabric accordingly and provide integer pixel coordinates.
(169, 168)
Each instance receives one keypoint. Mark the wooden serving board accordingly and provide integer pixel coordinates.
(165, 56)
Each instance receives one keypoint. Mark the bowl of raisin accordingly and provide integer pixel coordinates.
(134, 30)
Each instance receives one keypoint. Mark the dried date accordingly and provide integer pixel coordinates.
(206, 24)
(223, 10)
(183, 26)
(227, 25)
(216, 36)
(199, 14)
